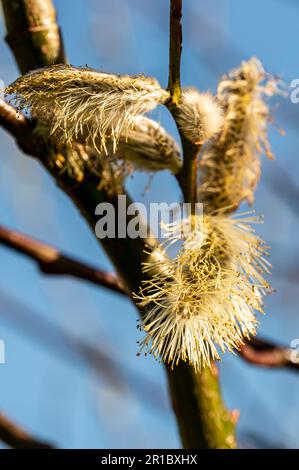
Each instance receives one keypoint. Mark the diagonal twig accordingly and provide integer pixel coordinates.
(268, 354)
(15, 123)
(51, 261)
(14, 436)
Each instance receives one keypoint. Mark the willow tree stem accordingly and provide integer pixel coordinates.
(204, 421)
(175, 49)
(33, 33)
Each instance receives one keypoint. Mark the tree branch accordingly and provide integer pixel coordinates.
(51, 261)
(17, 438)
(32, 33)
(15, 123)
(267, 354)
(175, 49)
(86, 196)
(203, 419)
(21, 129)
(187, 178)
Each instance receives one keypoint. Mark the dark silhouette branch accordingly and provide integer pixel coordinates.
(16, 437)
(267, 354)
(51, 261)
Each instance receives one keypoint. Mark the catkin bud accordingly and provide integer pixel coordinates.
(146, 147)
(149, 147)
(230, 164)
(199, 116)
(84, 105)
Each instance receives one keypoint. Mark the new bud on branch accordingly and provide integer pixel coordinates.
(199, 116)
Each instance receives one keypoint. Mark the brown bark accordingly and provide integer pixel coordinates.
(16, 437)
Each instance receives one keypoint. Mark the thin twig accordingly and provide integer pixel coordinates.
(267, 354)
(187, 178)
(16, 437)
(203, 419)
(51, 261)
(175, 49)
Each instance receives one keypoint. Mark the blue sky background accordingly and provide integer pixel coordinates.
(54, 382)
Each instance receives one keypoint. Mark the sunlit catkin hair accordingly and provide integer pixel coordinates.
(84, 105)
(77, 160)
(230, 164)
(146, 147)
(149, 147)
(203, 301)
(199, 116)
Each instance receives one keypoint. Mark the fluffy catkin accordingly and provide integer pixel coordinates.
(146, 147)
(149, 147)
(230, 164)
(203, 301)
(199, 116)
(84, 105)
(76, 160)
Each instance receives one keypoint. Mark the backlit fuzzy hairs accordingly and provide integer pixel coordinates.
(199, 116)
(203, 301)
(231, 161)
(146, 147)
(84, 105)
(149, 147)
(77, 159)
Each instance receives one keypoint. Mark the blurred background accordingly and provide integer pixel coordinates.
(71, 374)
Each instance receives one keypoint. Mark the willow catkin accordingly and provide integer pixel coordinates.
(84, 105)
(230, 163)
(77, 160)
(203, 301)
(198, 115)
(147, 147)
